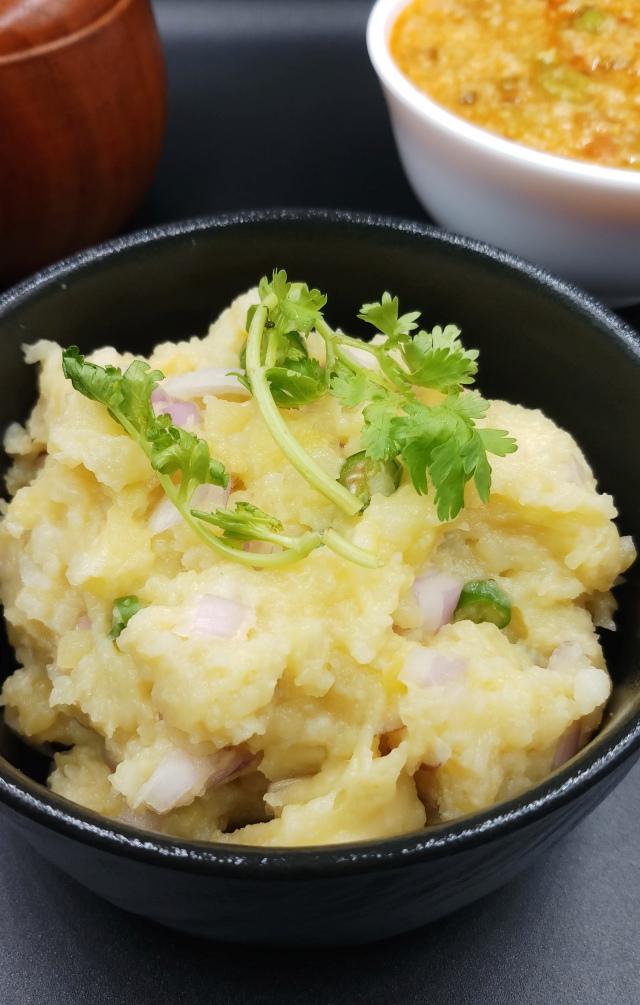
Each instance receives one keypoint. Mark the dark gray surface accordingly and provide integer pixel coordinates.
(565, 933)
(273, 103)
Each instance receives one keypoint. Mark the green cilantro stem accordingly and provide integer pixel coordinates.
(250, 559)
(348, 360)
(346, 549)
(176, 496)
(304, 544)
(439, 445)
(212, 540)
(337, 340)
(293, 451)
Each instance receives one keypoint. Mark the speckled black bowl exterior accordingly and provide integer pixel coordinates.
(542, 344)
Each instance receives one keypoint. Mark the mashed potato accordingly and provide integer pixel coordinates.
(335, 714)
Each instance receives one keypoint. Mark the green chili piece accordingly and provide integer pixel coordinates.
(123, 610)
(565, 83)
(589, 19)
(363, 476)
(483, 600)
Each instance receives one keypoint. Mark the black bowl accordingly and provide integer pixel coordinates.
(542, 344)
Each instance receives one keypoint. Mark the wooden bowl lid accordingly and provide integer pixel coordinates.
(26, 24)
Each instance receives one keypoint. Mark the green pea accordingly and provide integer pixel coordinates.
(483, 600)
(363, 476)
(123, 610)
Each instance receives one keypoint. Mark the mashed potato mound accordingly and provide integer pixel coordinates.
(311, 726)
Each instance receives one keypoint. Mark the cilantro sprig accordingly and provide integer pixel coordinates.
(174, 451)
(439, 444)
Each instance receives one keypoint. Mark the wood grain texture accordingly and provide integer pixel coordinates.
(25, 24)
(81, 127)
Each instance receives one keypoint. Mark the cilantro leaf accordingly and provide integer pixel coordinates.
(498, 441)
(302, 308)
(384, 317)
(295, 349)
(449, 477)
(297, 308)
(438, 360)
(95, 382)
(474, 458)
(244, 523)
(173, 449)
(352, 388)
(441, 445)
(127, 395)
(297, 383)
(379, 433)
(137, 385)
(470, 405)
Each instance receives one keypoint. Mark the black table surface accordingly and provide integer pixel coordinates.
(273, 103)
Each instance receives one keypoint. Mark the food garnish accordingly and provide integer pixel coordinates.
(123, 610)
(439, 444)
(483, 600)
(363, 476)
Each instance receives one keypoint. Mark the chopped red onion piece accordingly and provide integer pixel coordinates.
(180, 411)
(215, 380)
(283, 783)
(574, 472)
(145, 821)
(164, 516)
(437, 595)
(205, 497)
(431, 667)
(261, 547)
(210, 497)
(182, 777)
(362, 357)
(568, 745)
(217, 617)
(564, 657)
(84, 623)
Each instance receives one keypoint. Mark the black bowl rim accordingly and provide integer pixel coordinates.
(27, 798)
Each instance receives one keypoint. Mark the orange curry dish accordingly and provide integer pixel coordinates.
(557, 75)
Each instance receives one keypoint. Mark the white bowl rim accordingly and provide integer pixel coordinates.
(381, 19)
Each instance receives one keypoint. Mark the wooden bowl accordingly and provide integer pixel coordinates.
(82, 114)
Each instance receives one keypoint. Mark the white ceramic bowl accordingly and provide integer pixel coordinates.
(578, 220)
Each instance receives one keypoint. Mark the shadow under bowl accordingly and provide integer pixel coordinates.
(543, 344)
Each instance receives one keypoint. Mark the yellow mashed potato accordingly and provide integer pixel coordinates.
(309, 727)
